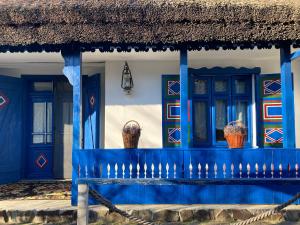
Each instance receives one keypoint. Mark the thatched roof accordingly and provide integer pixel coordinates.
(148, 22)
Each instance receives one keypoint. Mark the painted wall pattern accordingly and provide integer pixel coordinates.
(271, 110)
(171, 111)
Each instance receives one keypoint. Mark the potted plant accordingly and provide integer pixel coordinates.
(235, 133)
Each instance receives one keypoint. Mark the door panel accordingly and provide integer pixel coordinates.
(64, 130)
(10, 129)
(91, 97)
(40, 136)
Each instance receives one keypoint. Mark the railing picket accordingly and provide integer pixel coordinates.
(206, 170)
(199, 170)
(130, 170)
(215, 170)
(224, 170)
(152, 170)
(280, 170)
(116, 170)
(123, 171)
(241, 170)
(174, 167)
(159, 170)
(108, 170)
(86, 171)
(296, 169)
(272, 170)
(232, 170)
(138, 170)
(145, 170)
(167, 170)
(264, 169)
(191, 170)
(248, 170)
(256, 170)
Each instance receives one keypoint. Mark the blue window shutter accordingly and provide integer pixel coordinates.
(271, 133)
(171, 111)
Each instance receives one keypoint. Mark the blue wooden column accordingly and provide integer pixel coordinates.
(72, 70)
(184, 97)
(288, 113)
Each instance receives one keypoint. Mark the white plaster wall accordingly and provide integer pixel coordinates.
(144, 104)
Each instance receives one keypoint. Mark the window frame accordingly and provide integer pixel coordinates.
(230, 74)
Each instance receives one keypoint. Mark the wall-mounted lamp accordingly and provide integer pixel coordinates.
(127, 82)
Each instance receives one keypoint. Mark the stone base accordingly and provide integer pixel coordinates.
(161, 214)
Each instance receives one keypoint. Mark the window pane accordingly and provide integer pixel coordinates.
(42, 86)
(49, 138)
(200, 87)
(201, 118)
(221, 118)
(240, 86)
(38, 139)
(220, 86)
(241, 112)
(39, 112)
(49, 117)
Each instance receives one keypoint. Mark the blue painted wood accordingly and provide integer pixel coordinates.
(184, 81)
(230, 96)
(72, 70)
(295, 55)
(226, 190)
(91, 102)
(288, 113)
(39, 156)
(225, 71)
(11, 110)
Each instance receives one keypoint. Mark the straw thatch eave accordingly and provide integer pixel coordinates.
(58, 22)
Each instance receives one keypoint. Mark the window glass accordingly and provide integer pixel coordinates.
(221, 118)
(42, 86)
(240, 86)
(49, 117)
(200, 110)
(242, 112)
(42, 123)
(38, 139)
(200, 86)
(221, 86)
(39, 111)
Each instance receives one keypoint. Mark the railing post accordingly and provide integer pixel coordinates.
(288, 114)
(72, 70)
(184, 97)
(83, 207)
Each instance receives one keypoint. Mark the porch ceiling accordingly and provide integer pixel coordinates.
(50, 25)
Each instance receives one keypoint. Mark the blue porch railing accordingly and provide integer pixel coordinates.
(216, 175)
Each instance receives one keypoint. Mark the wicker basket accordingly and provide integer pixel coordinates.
(131, 134)
(235, 133)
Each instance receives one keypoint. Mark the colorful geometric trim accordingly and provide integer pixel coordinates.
(173, 111)
(174, 135)
(173, 87)
(272, 111)
(3, 100)
(41, 161)
(92, 101)
(271, 87)
(273, 135)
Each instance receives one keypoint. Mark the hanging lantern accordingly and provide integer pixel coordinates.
(127, 82)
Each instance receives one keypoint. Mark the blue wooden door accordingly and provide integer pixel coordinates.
(91, 102)
(10, 129)
(40, 136)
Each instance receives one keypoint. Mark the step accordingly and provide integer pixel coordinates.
(60, 211)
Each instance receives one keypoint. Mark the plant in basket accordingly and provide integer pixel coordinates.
(235, 133)
(131, 134)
